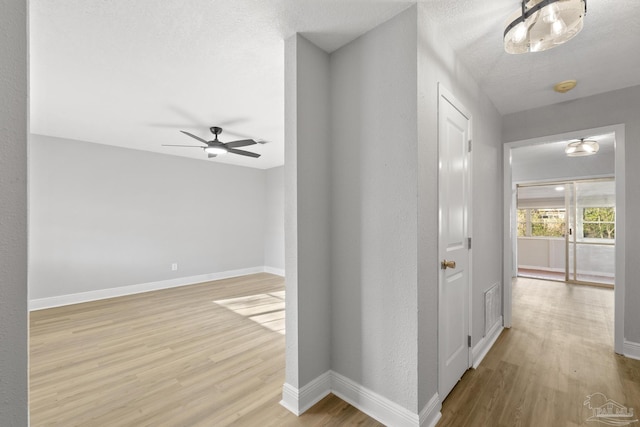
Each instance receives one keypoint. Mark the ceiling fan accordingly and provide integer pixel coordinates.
(216, 148)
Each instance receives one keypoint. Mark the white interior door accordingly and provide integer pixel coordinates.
(454, 245)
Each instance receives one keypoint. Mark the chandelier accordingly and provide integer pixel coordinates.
(543, 24)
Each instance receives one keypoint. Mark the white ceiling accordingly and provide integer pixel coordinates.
(604, 56)
(549, 152)
(134, 73)
(603, 190)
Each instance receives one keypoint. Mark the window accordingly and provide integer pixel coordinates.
(522, 222)
(599, 223)
(547, 222)
(541, 222)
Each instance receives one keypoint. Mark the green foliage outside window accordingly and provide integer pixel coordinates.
(522, 222)
(543, 223)
(599, 223)
(547, 222)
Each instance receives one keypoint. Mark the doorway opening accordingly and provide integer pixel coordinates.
(510, 218)
(566, 231)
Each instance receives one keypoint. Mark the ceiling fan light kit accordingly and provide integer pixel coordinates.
(582, 148)
(543, 24)
(217, 148)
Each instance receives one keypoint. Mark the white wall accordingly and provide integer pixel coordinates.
(307, 209)
(274, 220)
(438, 63)
(546, 253)
(105, 217)
(617, 107)
(562, 167)
(383, 174)
(374, 210)
(13, 214)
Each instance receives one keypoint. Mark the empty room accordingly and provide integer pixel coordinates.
(319, 213)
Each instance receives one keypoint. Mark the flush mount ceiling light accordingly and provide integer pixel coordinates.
(582, 148)
(543, 24)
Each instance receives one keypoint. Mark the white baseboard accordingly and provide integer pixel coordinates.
(480, 350)
(290, 398)
(631, 349)
(430, 414)
(365, 400)
(298, 401)
(273, 270)
(60, 300)
(371, 403)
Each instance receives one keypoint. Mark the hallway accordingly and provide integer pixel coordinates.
(542, 370)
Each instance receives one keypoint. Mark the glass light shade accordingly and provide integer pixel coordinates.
(218, 150)
(545, 24)
(550, 13)
(582, 148)
(520, 33)
(558, 27)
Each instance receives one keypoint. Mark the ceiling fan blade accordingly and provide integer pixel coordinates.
(240, 143)
(211, 155)
(237, 134)
(196, 137)
(243, 153)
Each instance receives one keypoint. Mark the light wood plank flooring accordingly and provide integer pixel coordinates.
(204, 355)
(213, 354)
(540, 372)
(586, 279)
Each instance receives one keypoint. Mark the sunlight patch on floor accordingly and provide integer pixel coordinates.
(264, 309)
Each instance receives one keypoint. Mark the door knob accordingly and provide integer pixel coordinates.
(447, 264)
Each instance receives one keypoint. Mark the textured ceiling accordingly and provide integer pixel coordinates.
(134, 73)
(547, 153)
(604, 56)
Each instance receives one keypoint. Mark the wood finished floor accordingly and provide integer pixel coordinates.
(591, 280)
(213, 355)
(204, 355)
(539, 372)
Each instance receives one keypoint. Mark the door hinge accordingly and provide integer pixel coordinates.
(469, 145)
(469, 340)
(469, 242)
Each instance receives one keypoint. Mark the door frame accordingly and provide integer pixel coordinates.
(443, 92)
(510, 240)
